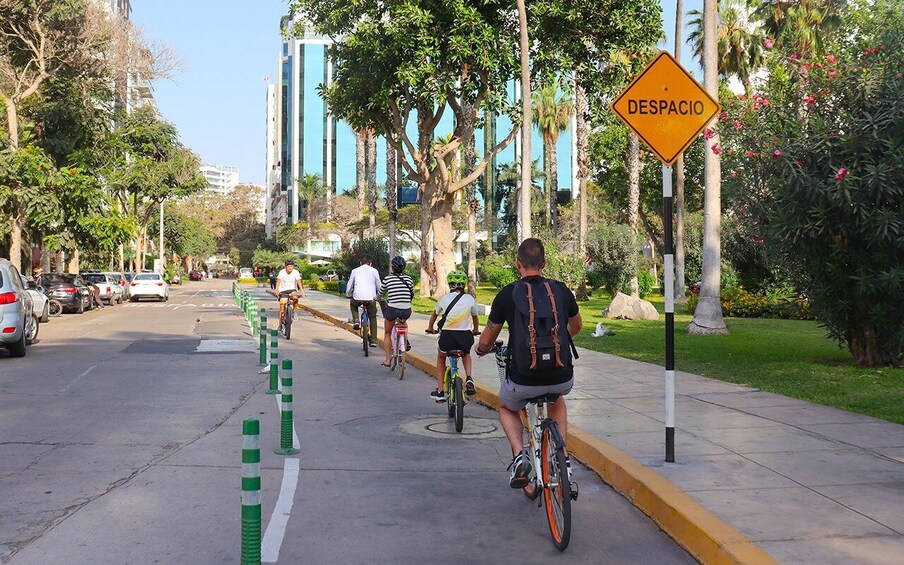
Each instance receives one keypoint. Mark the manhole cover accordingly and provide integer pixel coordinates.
(442, 427)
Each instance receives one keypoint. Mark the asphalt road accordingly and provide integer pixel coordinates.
(120, 443)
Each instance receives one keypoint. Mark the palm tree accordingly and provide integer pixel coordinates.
(360, 170)
(740, 40)
(634, 195)
(680, 293)
(582, 132)
(310, 188)
(524, 219)
(552, 114)
(708, 315)
(800, 26)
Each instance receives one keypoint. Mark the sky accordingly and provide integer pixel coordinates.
(228, 49)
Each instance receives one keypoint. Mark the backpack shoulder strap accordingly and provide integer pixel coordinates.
(532, 332)
(451, 305)
(555, 328)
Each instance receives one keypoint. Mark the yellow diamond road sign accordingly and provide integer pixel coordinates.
(666, 107)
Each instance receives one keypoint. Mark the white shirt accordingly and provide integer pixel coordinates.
(364, 283)
(459, 319)
(288, 281)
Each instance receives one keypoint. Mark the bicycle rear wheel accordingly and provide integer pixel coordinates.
(556, 488)
(459, 404)
(447, 383)
(400, 353)
(365, 334)
(54, 308)
(394, 356)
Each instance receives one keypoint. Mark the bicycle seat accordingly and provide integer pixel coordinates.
(457, 353)
(544, 399)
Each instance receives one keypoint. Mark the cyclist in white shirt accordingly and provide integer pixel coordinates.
(364, 287)
(288, 285)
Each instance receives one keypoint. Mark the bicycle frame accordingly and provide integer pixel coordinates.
(398, 339)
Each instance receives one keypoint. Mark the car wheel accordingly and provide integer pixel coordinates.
(17, 349)
(80, 309)
(31, 330)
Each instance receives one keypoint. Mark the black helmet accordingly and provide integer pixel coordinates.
(398, 264)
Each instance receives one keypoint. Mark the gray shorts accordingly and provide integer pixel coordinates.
(515, 396)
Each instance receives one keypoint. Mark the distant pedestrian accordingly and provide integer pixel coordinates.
(272, 278)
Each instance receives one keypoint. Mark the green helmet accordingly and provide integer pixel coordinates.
(457, 278)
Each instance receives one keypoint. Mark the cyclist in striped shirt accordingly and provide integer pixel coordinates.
(399, 291)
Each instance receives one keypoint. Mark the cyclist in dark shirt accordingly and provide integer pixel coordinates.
(515, 390)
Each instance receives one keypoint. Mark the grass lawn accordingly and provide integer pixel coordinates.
(788, 357)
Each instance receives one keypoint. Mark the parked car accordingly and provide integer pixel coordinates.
(18, 324)
(110, 290)
(330, 276)
(40, 302)
(71, 290)
(246, 273)
(148, 285)
(194, 275)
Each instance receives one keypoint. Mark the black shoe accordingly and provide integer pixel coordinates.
(357, 326)
(470, 390)
(407, 346)
(438, 396)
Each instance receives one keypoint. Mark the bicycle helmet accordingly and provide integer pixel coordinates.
(398, 264)
(457, 279)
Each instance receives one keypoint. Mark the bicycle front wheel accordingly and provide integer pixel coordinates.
(459, 404)
(556, 488)
(287, 322)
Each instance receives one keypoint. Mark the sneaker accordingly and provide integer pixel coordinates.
(520, 468)
(407, 346)
(356, 326)
(470, 390)
(374, 343)
(438, 396)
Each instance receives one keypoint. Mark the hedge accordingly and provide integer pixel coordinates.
(738, 303)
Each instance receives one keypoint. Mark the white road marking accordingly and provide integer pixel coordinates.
(78, 378)
(276, 527)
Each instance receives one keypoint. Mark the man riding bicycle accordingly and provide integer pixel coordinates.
(531, 296)
(364, 287)
(288, 285)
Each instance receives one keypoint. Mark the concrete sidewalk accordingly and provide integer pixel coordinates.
(804, 483)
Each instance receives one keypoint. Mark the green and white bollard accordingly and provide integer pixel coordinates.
(251, 492)
(262, 333)
(285, 435)
(274, 363)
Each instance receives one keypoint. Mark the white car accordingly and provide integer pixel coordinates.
(148, 285)
(40, 303)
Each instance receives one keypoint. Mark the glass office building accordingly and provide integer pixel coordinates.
(307, 140)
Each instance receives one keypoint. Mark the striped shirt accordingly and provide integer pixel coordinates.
(399, 291)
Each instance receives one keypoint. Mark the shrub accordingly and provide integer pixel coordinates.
(738, 303)
(645, 283)
(565, 267)
(613, 249)
(247, 280)
(498, 270)
(329, 285)
(375, 248)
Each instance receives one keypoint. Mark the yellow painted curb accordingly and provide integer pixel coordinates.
(696, 529)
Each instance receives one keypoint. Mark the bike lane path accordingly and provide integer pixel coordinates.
(758, 476)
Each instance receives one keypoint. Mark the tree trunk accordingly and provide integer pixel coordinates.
(372, 181)
(471, 197)
(633, 195)
(680, 292)
(553, 180)
(17, 228)
(547, 182)
(426, 269)
(443, 239)
(73, 262)
(708, 315)
(583, 158)
(360, 171)
(392, 203)
(524, 213)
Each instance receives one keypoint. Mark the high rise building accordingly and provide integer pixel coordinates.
(303, 138)
(220, 179)
(132, 90)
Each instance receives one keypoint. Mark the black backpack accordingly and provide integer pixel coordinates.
(541, 346)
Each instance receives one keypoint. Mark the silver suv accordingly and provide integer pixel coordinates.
(18, 325)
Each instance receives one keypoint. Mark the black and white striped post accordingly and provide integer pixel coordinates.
(669, 259)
